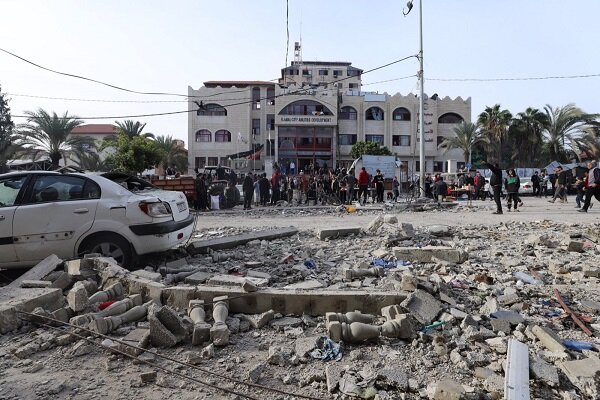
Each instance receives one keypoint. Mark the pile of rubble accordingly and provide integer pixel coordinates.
(387, 311)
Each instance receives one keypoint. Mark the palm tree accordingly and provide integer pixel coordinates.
(173, 153)
(589, 143)
(495, 123)
(526, 136)
(567, 125)
(132, 128)
(49, 135)
(91, 162)
(9, 149)
(468, 135)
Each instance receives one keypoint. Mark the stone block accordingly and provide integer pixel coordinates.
(575, 246)
(148, 377)
(446, 390)
(257, 274)
(423, 306)
(63, 281)
(429, 253)
(151, 276)
(27, 284)
(333, 375)
(305, 285)
(175, 324)
(13, 299)
(79, 269)
(178, 297)
(585, 374)
(160, 336)
(137, 337)
(508, 299)
(549, 339)
(197, 278)
(39, 271)
(233, 280)
(391, 312)
(329, 233)
(219, 335)
(229, 242)
(305, 345)
(543, 371)
(78, 297)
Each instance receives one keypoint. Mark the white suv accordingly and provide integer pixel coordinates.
(70, 214)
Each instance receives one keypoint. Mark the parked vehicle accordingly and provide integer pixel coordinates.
(70, 214)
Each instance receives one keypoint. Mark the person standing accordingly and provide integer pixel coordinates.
(248, 189)
(579, 187)
(535, 183)
(275, 187)
(592, 186)
(560, 190)
(363, 185)
(293, 168)
(479, 182)
(495, 184)
(256, 190)
(350, 180)
(396, 188)
(544, 181)
(441, 190)
(512, 184)
(264, 189)
(378, 181)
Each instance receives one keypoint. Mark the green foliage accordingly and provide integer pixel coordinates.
(494, 122)
(467, 136)
(91, 162)
(132, 129)
(566, 126)
(173, 153)
(49, 135)
(134, 155)
(8, 145)
(369, 148)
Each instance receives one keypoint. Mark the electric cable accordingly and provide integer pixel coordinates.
(174, 360)
(534, 78)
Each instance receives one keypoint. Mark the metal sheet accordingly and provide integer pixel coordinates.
(516, 380)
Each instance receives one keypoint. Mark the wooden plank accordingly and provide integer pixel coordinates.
(36, 273)
(516, 379)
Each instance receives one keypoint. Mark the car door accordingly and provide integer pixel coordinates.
(56, 212)
(11, 190)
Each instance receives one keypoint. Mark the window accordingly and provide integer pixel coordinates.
(337, 73)
(270, 122)
(213, 161)
(374, 114)
(212, 110)
(203, 135)
(306, 72)
(400, 140)
(256, 98)
(48, 188)
(347, 140)
(200, 162)
(270, 96)
(440, 140)
(323, 72)
(9, 189)
(292, 71)
(401, 114)
(353, 86)
(374, 138)
(438, 166)
(460, 165)
(450, 118)
(353, 72)
(256, 126)
(305, 107)
(347, 113)
(418, 165)
(270, 143)
(222, 136)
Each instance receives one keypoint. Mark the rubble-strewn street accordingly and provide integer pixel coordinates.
(385, 304)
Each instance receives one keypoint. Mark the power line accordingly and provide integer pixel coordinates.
(390, 80)
(535, 78)
(295, 92)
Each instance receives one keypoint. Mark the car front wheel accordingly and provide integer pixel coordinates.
(110, 246)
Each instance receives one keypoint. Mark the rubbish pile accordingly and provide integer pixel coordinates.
(386, 311)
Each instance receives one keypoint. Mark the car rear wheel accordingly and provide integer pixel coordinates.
(110, 246)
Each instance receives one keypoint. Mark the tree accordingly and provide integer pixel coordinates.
(173, 153)
(468, 135)
(49, 135)
(134, 155)
(495, 123)
(132, 129)
(526, 136)
(8, 142)
(566, 126)
(91, 162)
(370, 148)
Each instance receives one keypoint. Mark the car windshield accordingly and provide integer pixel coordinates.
(129, 182)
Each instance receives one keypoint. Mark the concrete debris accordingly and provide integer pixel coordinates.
(423, 306)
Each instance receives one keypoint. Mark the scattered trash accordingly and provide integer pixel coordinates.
(522, 276)
(577, 345)
(310, 264)
(326, 349)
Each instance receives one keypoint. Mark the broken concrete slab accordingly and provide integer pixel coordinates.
(338, 232)
(234, 280)
(27, 284)
(197, 278)
(548, 338)
(543, 371)
(13, 299)
(38, 272)
(585, 374)
(78, 297)
(202, 246)
(178, 297)
(152, 276)
(149, 290)
(446, 390)
(315, 302)
(429, 253)
(423, 306)
(137, 337)
(305, 285)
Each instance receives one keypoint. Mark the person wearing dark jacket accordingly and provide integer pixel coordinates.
(561, 186)
(495, 184)
(512, 183)
(441, 190)
(264, 187)
(378, 180)
(248, 189)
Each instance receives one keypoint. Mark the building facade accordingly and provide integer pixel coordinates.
(313, 115)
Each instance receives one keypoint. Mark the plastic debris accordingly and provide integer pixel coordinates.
(577, 345)
(310, 264)
(326, 349)
(527, 278)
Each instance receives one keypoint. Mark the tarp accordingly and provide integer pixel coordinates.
(387, 165)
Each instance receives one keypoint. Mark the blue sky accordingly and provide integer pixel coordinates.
(166, 46)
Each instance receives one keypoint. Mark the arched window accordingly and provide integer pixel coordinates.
(401, 114)
(212, 110)
(305, 107)
(450, 118)
(203, 135)
(347, 113)
(374, 114)
(271, 96)
(222, 136)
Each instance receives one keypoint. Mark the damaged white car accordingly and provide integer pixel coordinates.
(71, 214)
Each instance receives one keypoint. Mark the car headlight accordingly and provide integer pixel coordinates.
(156, 209)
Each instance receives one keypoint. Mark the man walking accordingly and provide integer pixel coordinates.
(363, 184)
(248, 189)
(495, 184)
(592, 187)
(561, 186)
